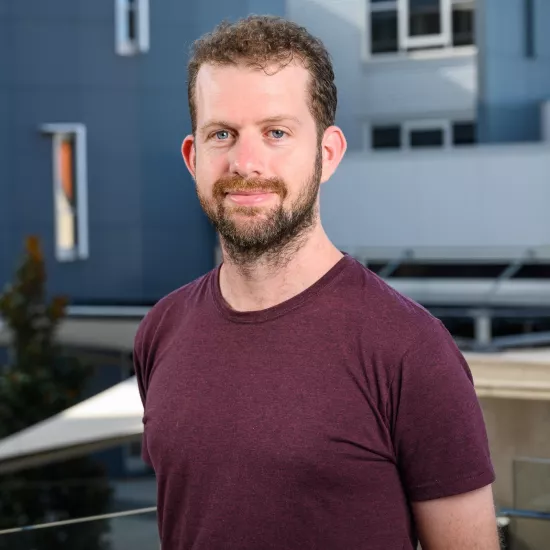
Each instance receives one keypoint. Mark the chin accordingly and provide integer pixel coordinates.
(249, 212)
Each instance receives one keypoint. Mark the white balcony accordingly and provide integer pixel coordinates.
(477, 204)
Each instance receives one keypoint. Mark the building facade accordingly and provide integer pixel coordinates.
(91, 126)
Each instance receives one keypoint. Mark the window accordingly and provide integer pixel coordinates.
(464, 133)
(422, 134)
(463, 24)
(384, 38)
(70, 190)
(429, 137)
(131, 26)
(386, 137)
(408, 25)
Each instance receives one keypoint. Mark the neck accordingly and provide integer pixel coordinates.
(267, 282)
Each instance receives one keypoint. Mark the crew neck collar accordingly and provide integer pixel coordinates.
(278, 310)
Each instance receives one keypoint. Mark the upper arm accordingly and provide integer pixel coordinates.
(438, 430)
(441, 447)
(461, 522)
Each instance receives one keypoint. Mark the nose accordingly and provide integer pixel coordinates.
(246, 157)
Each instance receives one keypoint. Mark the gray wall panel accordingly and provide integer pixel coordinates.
(101, 10)
(58, 10)
(99, 67)
(45, 52)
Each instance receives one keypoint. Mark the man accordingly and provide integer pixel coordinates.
(292, 399)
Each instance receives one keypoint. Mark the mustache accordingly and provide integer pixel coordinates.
(232, 184)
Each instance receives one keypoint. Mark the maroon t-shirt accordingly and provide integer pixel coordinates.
(310, 425)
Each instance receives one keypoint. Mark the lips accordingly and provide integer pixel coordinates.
(249, 198)
(248, 192)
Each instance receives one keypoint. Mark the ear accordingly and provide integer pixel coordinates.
(333, 148)
(189, 154)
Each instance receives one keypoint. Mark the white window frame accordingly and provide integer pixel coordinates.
(407, 42)
(59, 132)
(442, 39)
(124, 44)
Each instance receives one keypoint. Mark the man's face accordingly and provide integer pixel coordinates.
(256, 157)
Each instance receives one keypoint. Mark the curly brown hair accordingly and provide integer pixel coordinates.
(263, 41)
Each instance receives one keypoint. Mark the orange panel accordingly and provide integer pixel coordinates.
(66, 169)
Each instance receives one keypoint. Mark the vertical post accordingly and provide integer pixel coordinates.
(483, 332)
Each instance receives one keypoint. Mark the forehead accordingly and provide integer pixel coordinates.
(239, 92)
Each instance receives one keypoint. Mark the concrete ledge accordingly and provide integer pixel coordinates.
(512, 375)
(106, 334)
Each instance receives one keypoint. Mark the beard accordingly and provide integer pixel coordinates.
(262, 234)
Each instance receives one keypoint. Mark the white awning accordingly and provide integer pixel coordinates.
(105, 420)
(95, 327)
(115, 416)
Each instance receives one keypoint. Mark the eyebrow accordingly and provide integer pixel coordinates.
(268, 120)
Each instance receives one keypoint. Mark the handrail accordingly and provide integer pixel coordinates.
(528, 514)
(78, 520)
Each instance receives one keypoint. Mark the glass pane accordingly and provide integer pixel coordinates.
(383, 31)
(532, 484)
(386, 137)
(65, 197)
(132, 23)
(464, 133)
(424, 17)
(532, 493)
(427, 138)
(132, 532)
(28, 500)
(463, 25)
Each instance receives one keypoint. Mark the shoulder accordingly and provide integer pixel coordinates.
(411, 342)
(394, 323)
(164, 317)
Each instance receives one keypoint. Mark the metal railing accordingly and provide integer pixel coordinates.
(126, 530)
(74, 521)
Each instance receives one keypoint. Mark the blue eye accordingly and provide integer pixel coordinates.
(278, 134)
(222, 135)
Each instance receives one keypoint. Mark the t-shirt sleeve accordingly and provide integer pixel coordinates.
(139, 360)
(438, 429)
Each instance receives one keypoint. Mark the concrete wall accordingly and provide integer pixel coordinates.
(475, 197)
(512, 86)
(520, 429)
(372, 89)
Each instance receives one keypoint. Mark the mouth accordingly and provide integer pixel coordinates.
(250, 197)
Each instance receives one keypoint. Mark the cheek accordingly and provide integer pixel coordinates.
(210, 166)
(205, 174)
